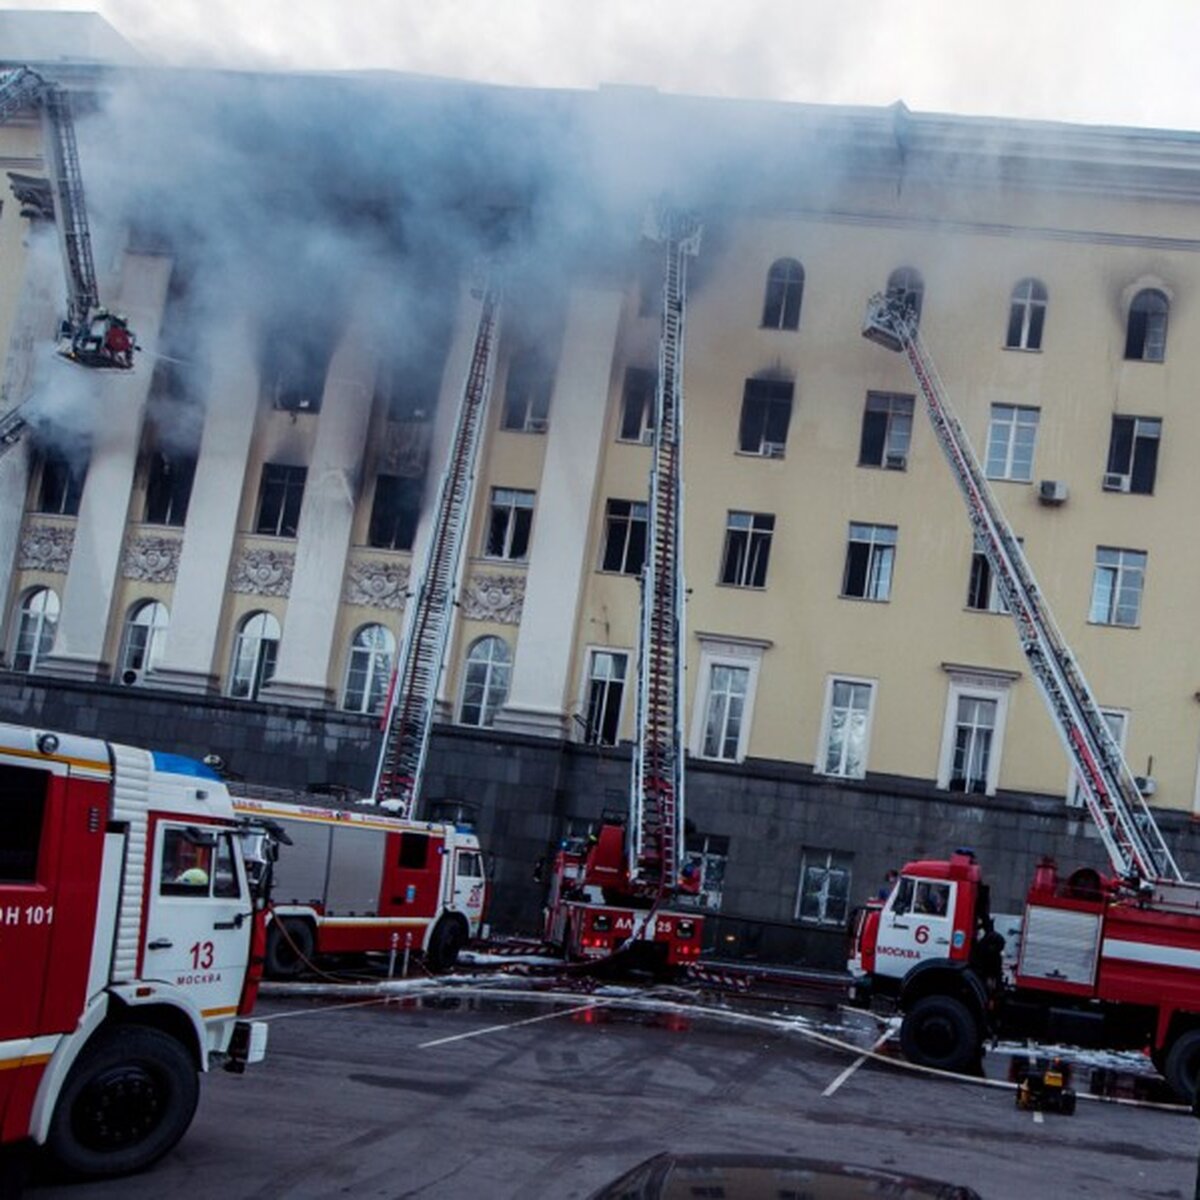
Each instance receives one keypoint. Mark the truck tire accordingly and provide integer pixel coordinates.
(1182, 1066)
(941, 1032)
(449, 937)
(128, 1099)
(290, 948)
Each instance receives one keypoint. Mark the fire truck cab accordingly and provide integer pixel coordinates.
(130, 937)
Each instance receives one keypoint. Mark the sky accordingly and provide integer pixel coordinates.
(1100, 62)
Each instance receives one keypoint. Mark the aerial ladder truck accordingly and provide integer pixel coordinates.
(1111, 961)
(611, 892)
(89, 335)
(372, 877)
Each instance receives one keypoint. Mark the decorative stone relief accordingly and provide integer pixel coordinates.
(151, 559)
(494, 598)
(376, 583)
(46, 548)
(263, 572)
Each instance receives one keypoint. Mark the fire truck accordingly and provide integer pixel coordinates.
(131, 936)
(1103, 960)
(609, 892)
(354, 880)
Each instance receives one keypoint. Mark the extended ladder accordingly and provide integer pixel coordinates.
(408, 718)
(655, 844)
(1127, 827)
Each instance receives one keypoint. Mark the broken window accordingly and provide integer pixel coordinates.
(847, 726)
(625, 537)
(527, 393)
(509, 522)
(1011, 437)
(394, 513)
(766, 415)
(1146, 333)
(747, 549)
(280, 494)
(169, 487)
(886, 431)
(1117, 585)
(1133, 455)
(906, 285)
(294, 368)
(637, 406)
(785, 289)
(870, 556)
(60, 489)
(606, 691)
(1026, 316)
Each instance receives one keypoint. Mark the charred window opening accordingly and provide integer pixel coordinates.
(766, 415)
(638, 402)
(169, 487)
(527, 393)
(295, 363)
(395, 513)
(280, 495)
(886, 431)
(625, 537)
(906, 286)
(509, 523)
(1146, 333)
(60, 487)
(1026, 316)
(1133, 455)
(22, 814)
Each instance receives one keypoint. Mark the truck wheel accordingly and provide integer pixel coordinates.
(127, 1100)
(449, 937)
(1182, 1066)
(285, 958)
(941, 1032)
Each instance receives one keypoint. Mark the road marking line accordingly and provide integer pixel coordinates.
(858, 1062)
(462, 1037)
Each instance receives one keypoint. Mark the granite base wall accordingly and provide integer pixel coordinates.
(526, 789)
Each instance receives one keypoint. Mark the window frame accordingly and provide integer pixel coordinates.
(909, 284)
(710, 852)
(1074, 797)
(396, 520)
(507, 664)
(587, 692)
(530, 411)
(371, 700)
(292, 482)
(1144, 343)
(891, 405)
(1137, 465)
(142, 660)
(1119, 569)
(871, 570)
(827, 860)
(1027, 316)
(511, 507)
(725, 652)
(1012, 427)
(629, 521)
(783, 296)
(974, 686)
(820, 762)
(753, 560)
(68, 479)
(169, 493)
(640, 386)
(266, 654)
(42, 646)
(763, 410)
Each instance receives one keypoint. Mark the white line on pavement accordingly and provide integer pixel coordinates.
(461, 1037)
(858, 1062)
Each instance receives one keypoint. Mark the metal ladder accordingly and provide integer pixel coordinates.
(408, 718)
(1131, 836)
(655, 842)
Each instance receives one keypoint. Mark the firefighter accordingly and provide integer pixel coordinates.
(118, 344)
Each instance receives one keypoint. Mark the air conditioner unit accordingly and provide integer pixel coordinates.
(1052, 491)
(1116, 483)
(647, 437)
(131, 678)
(896, 462)
(537, 425)
(1146, 784)
(772, 449)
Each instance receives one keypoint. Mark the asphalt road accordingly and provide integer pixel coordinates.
(518, 1099)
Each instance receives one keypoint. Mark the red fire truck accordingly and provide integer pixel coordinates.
(355, 880)
(130, 946)
(1111, 961)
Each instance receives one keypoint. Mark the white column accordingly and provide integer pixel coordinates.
(558, 554)
(115, 401)
(326, 520)
(212, 523)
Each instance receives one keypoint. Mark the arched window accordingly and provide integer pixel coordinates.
(1026, 315)
(144, 642)
(785, 289)
(372, 653)
(906, 285)
(1146, 334)
(485, 684)
(254, 654)
(37, 619)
